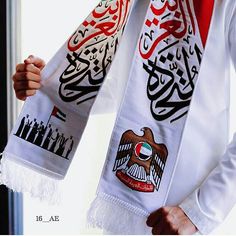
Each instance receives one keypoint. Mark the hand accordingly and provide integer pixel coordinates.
(170, 220)
(27, 77)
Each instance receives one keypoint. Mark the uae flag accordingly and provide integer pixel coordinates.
(143, 150)
(58, 114)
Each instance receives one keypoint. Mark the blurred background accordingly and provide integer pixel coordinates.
(40, 27)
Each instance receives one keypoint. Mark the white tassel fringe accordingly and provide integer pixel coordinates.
(23, 179)
(117, 217)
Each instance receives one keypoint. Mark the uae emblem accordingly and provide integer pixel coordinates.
(140, 161)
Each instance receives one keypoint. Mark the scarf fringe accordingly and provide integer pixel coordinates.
(112, 216)
(23, 179)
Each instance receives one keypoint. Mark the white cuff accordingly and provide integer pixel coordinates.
(192, 209)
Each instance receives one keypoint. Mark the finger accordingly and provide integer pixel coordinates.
(158, 228)
(168, 230)
(28, 68)
(26, 85)
(156, 216)
(20, 97)
(187, 229)
(22, 76)
(23, 94)
(164, 228)
(20, 67)
(38, 62)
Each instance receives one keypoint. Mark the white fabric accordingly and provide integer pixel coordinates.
(52, 122)
(123, 182)
(207, 192)
(201, 191)
(31, 181)
(216, 195)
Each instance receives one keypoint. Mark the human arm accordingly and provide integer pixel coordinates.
(208, 201)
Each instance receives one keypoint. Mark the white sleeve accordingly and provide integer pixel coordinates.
(209, 204)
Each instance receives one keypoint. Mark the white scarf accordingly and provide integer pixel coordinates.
(51, 123)
(147, 134)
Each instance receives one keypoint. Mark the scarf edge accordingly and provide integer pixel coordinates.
(21, 178)
(114, 216)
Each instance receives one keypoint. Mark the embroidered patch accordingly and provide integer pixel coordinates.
(140, 161)
(45, 135)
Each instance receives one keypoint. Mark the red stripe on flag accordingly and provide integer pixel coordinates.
(54, 111)
(138, 149)
(203, 10)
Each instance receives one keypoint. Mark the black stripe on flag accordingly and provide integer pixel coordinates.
(58, 114)
(60, 117)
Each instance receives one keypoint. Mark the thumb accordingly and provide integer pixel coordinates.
(157, 215)
(36, 61)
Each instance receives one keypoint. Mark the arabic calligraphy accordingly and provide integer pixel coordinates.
(92, 48)
(171, 50)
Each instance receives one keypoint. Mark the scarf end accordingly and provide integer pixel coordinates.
(110, 215)
(23, 179)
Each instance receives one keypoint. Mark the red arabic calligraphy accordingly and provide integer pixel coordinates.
(135, 184)
(162, 10)
(177, 26)
(106, 23)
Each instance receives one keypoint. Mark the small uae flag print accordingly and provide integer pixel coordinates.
(58, 114)
(143, 150)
